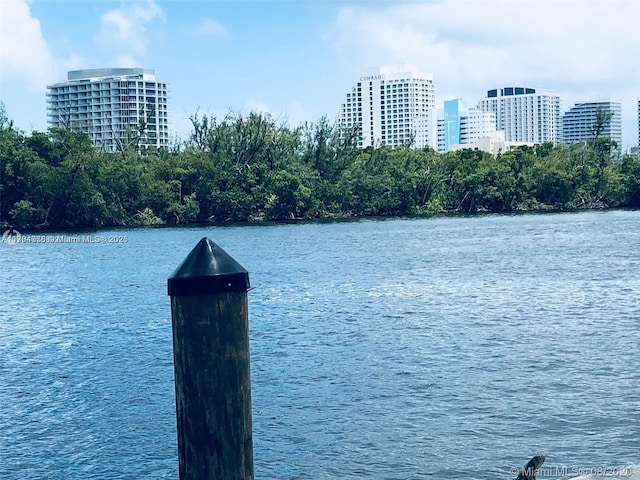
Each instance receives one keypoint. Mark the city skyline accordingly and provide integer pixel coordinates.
(296, 60)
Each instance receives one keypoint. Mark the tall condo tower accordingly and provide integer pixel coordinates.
(581, 122)
(394, 105)
(111, 105)
(527, 115)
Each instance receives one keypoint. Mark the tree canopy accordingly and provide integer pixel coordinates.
(248, 168)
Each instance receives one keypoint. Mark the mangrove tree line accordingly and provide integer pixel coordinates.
(249, 168)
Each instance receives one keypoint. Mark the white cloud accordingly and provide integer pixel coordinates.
(124, 30)
(477, 45)
(581, 48)
(25, 56)
(209, 27)
(125, 61)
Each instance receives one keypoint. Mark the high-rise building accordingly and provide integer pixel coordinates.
(459, 125)
(450, 126)
(394, 105)
(112, 105)
(476, 125)
(527, 115)
(586, 120)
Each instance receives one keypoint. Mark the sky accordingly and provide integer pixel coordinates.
(296, 59)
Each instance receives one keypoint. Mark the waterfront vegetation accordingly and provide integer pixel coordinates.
(255, 167)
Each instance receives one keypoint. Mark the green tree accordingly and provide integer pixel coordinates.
(629, 172)
(552, 179)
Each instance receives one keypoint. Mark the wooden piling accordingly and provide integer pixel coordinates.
(212, 369)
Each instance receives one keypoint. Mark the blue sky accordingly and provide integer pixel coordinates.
(297, 59)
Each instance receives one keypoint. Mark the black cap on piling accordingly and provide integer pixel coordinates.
(207, 270)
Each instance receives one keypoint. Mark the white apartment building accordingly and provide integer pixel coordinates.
(459, 125)
(394, 105)
(476, 125)
(111, 105)
(527, 115)
(580, 121)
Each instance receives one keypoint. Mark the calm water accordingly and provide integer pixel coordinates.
(398, 349)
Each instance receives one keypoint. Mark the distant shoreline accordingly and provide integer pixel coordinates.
(304, 221)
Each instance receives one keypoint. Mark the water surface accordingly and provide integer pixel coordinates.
(383, 349)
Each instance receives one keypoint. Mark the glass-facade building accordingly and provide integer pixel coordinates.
(112, 105)
(454, 111)
(586, 120)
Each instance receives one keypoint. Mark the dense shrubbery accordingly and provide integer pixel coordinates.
(254, 168)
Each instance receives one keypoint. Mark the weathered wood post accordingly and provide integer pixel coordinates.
(212, 371)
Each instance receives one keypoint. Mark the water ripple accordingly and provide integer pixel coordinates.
(398, 349)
